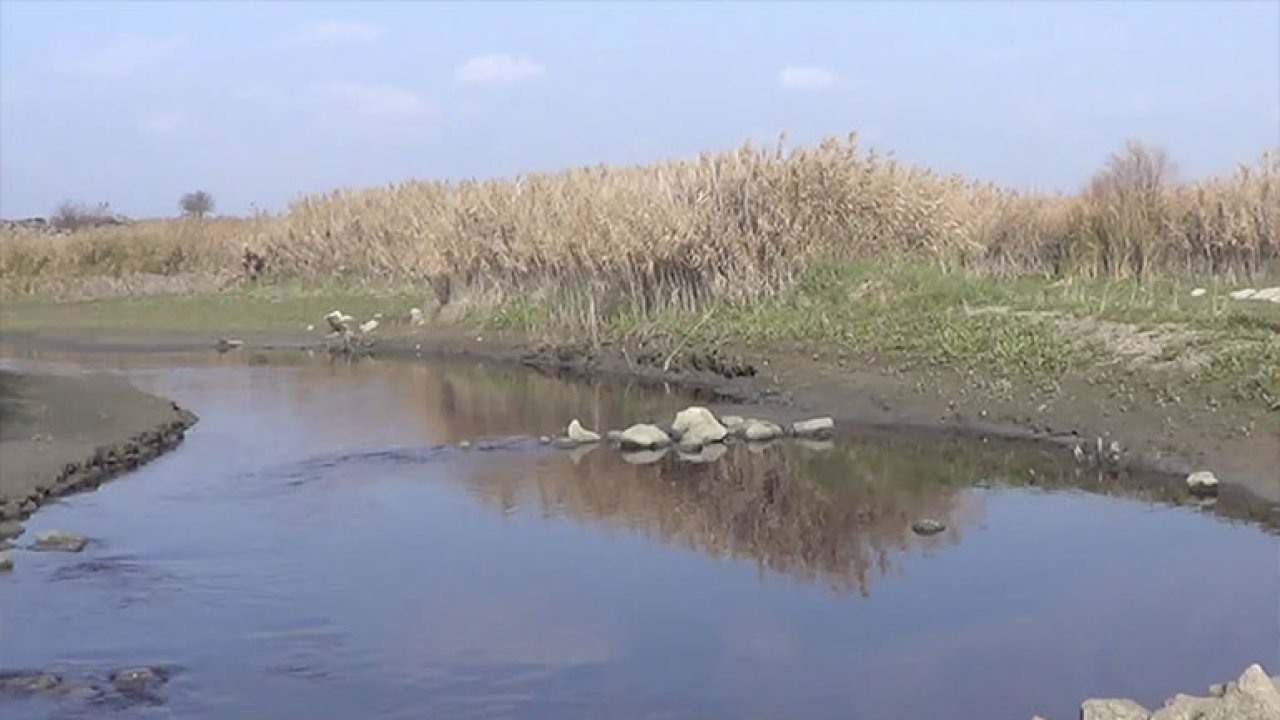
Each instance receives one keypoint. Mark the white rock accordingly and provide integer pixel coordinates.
(416, 317)
(311, 328)
(579, 434)
(697, 426)
(368, 326)
(1242, 294)
(337, 321)
(1271, 294)
(817, 427)
(1202, 482)
(1112, 709)
(733, 423)
(1198, 292)
(760, 430)
(643, 436)
(59, 541)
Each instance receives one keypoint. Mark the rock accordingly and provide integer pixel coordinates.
(734, 424)
(544, 439)
(337, 321)
(228, 344)
(368, 326)
(705, 454)
(1198, 292)
(1242, 294)
(644, 457)
(29, 682)
(1108, 709)
(416, 317)
(643, 437)
(465, 445)
(10, 511)
(6, 562)
(1202, 483)
(59, 541)
(10, 529)
(579, 434)
(696, 426)
(760, 430)
(1271, 294)
(928, 526)
(817, 427)
(137, 679)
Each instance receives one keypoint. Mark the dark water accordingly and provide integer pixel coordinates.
(318, 548)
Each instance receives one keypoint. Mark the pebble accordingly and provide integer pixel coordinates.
(928, 526)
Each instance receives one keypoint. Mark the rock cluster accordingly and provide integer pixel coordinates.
(1253, 696)
(696, 434)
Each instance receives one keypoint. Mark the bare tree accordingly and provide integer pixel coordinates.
(196, 204)
(1139, 169)
(71, 216)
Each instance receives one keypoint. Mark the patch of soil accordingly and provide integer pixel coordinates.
(63, 434)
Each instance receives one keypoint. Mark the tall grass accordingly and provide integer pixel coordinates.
(735, 227)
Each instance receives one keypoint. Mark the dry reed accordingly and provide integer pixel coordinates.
(733, 226)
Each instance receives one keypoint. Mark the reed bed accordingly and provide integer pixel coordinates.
(736, 227)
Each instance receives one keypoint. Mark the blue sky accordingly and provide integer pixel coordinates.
(134, 104)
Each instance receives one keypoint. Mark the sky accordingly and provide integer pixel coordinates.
(258, 103)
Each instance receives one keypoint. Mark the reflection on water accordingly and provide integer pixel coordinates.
(321, 547)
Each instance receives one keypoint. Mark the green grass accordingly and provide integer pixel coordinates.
(906, 311)
(280, 308)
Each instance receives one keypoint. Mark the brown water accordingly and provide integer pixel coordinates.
(320, 547)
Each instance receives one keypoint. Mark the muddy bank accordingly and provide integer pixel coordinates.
(62, 434)
(1154, 431)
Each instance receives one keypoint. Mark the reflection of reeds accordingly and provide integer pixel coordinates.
(773, 507)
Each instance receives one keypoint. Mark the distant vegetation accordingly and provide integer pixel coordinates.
(734, 226)
(196, 204)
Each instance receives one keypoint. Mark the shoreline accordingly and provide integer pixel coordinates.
(65, 434)
(868, 398)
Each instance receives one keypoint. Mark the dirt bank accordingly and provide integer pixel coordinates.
(1239, 442)
(61, 434)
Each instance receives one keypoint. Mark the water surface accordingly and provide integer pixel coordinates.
(320, 547)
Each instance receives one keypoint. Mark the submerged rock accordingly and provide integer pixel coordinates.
(817, 427)
(579, 434)
(928, 526)
(137, 679)
(10, 529)
(760, 430)
(696, 426)
(1202, 483)
(6, 562)
(644, 457)
(59, 541)
(1113, 709)
(643, 436)
(29, 682)
(705, 454)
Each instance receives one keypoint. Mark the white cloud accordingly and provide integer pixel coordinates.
(334, 34)
(806, 77)
(123, 57)
(497, 68)
(381, 101)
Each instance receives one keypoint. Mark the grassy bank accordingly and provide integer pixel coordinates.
(847, 251)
